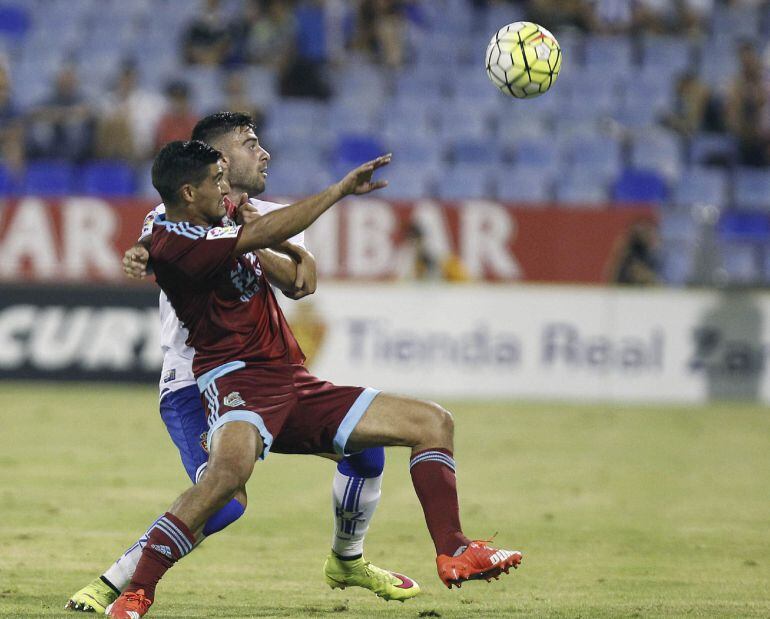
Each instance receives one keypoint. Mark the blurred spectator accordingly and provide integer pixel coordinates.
(266, 34)
(747, 108)
(612, 16)
(62, 127)
(575, 13)
(636, 259)
(417, 260)
(11, 126)
(237, 100)
(129, 119)
(179, 119)
(381, 28)
(206, 40)
(690, 105)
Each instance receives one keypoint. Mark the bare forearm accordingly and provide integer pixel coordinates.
(280, 270)
(277, 226)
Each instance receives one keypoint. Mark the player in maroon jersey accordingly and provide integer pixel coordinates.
(258, 395)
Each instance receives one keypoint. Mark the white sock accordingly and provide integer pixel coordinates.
(354, 501)
(122, 571)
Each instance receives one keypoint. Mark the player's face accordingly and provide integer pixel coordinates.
(209, 196)
(247, 160)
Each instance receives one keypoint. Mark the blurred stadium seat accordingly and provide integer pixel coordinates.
(49, 178)
(524, 184)
(699, 185)
(752, 189)
(640, 186)
(108, 178)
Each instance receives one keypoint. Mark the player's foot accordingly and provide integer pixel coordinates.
(130, 605)
(359, 573)
(95, 597)
(477, 561)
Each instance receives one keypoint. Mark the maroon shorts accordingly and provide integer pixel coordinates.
(294, 411)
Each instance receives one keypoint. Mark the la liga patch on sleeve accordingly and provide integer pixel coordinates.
(223, 232)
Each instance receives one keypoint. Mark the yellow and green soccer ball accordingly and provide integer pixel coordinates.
(523, 60)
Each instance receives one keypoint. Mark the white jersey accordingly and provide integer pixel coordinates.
(177, 355)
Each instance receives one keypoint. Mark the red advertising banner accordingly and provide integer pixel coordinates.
(83, 238)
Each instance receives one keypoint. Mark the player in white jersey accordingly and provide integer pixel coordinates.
(358, 478)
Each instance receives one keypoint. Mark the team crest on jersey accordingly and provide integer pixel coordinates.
(169, 376)
(204, 441)
(223, 232)
(233, 399)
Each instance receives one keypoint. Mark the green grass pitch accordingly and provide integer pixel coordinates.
(621, 511)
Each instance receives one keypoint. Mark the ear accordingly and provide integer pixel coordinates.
(187, 193)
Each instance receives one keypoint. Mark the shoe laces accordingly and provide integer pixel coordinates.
(138, 598)
(380, 575)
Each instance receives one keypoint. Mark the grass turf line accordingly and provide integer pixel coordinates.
(619, 510)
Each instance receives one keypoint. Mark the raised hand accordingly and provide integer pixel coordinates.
(359, 181)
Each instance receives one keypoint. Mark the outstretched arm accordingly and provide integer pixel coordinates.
(279, 225)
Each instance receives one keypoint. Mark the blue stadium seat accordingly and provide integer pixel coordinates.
(677, 264)
(524, 184)
(656, 150)
(49, 178)
(712, 148)
(581, 189)
(464, 181)
(700, 185)
(414, 151)
(8, 183)
(462, 121)
(666, 55)
(741, 263)
(678, 226)
(14, 21)
(640, 186)
(351, 118)
(406, 181)
(354, 149)
(742, 226)
(108, 178)
(419, 80)
(752, 189)
(536, 153)
(474, 151)
(598, 150)
(613, 53)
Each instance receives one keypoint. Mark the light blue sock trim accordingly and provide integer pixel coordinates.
(351, 419)
(206, 379)
(248, 416)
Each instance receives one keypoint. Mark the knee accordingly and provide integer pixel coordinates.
(368, 463)
(439, 423)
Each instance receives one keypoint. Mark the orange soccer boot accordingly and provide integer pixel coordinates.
(130, 605)
(477, 562)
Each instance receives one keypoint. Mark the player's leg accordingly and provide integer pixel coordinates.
(356, 491)
(356, 488)
(185, 420)
(428, 429)
(235, 446)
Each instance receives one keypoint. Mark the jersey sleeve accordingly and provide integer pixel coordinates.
(149, 220)
(202, 257)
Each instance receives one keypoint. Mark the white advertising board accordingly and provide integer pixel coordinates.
(531, 341)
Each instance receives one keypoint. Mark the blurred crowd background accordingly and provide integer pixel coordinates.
(659, 101)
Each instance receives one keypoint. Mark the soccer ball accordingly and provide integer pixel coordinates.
(523, 60)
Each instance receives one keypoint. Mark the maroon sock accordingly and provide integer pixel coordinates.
(168, 540)
(433, 476)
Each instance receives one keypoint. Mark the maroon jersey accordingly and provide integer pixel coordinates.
(223, 300)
